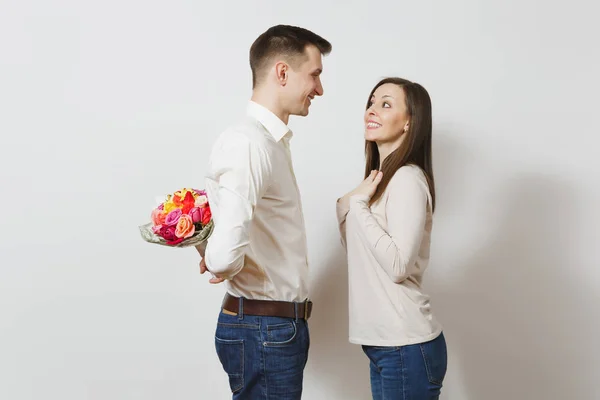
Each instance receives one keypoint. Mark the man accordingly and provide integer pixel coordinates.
(258, 246)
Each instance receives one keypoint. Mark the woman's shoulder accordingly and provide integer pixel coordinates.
(409, 178)
(408, 174)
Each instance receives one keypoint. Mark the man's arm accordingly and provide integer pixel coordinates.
(242, 172)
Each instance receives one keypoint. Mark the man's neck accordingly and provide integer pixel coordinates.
(269, 101)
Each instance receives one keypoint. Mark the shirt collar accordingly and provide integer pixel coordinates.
(276, 127)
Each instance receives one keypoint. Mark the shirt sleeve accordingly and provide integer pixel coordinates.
(396, 248)
(240, 174)
(342, 211)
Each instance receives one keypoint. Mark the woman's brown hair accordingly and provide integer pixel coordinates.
(415, 148)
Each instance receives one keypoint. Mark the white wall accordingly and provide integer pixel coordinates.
(105, 105)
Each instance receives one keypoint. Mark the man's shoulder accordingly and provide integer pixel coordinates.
(245, 137)
(246, 131)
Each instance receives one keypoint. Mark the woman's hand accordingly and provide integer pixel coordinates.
(369, 185)
(366, 187)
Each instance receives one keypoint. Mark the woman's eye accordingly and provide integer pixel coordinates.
(385, 103)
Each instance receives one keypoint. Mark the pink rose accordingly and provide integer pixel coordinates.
(196, 214)
(168, 233)
(158, 217)
(173, 217)
(185, 227)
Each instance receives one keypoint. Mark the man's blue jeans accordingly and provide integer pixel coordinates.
(413, 372)
(264, 357)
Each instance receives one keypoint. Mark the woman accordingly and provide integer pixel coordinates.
(385, 224)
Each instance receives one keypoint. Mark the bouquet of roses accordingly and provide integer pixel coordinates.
(183, 219)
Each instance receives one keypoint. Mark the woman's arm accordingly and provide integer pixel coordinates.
(342, 206)
(406, 212)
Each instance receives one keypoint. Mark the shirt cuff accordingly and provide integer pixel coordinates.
(360, 199)
(341, 209)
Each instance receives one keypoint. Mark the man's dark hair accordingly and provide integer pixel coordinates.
(284, 41)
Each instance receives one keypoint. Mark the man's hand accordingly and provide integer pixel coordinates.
(201, 249)
(215, 279)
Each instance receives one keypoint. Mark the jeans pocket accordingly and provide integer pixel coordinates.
(281, 334)
(435, 358)
(231, 355)
(380, 349)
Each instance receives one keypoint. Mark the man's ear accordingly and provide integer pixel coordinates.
(281, 72)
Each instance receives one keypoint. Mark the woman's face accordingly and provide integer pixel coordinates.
(386, 119)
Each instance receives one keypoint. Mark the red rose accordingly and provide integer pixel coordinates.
(168, 233)
(188, 203)
(206, 215)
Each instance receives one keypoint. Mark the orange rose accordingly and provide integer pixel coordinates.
(185, 227)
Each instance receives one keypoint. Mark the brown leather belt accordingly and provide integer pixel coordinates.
(268, 308)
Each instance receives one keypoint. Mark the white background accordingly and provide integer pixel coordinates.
(105, 105)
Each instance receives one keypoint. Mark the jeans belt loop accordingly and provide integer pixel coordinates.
(241, 308)
(306, 309)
